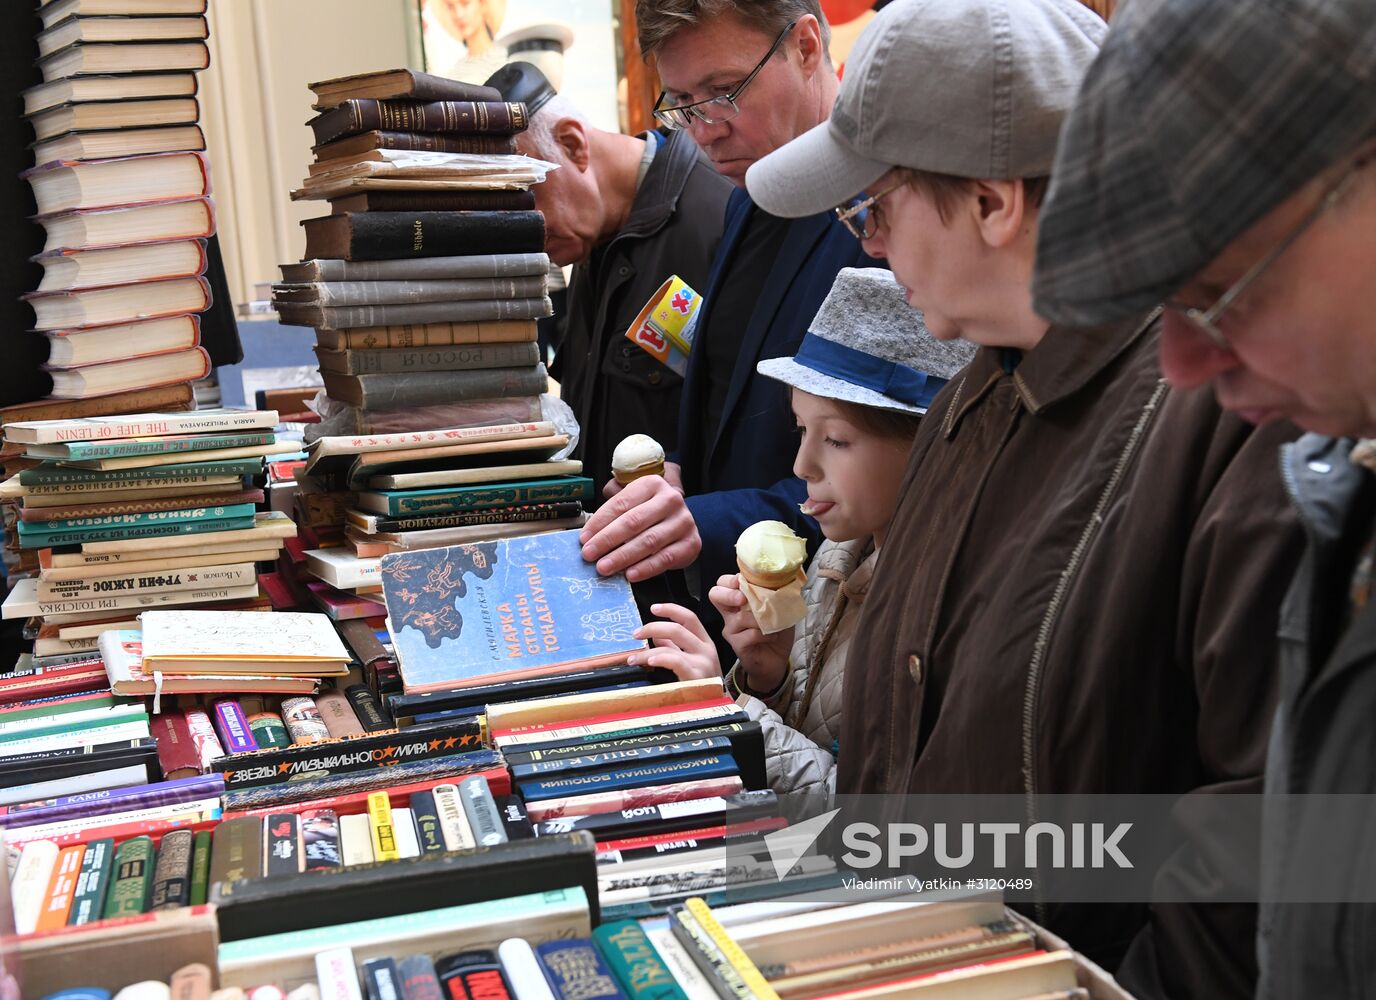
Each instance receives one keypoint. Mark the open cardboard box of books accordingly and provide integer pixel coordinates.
(1100, 984)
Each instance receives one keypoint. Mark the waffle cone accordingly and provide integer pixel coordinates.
(769, 581)
(627, 476)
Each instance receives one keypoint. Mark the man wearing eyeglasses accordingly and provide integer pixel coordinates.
(742, 77)
(1075, 591)
(1222, 158)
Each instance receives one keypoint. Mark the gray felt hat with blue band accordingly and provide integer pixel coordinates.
(868, 346)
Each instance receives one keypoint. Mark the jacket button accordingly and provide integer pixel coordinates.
(625, 366)
(915, 668)
(654, 378)
(624, 270)
(626, 352)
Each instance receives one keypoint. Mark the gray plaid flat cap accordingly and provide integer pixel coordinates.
(1198, 118)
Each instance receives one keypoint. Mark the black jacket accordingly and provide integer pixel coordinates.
(614, 387)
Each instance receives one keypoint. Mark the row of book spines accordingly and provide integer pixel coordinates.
(84, 883)
(616, 963)
(401, 503)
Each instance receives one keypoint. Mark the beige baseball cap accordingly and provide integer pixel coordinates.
(972, 88)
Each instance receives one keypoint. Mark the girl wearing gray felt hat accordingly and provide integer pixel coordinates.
(865, 373)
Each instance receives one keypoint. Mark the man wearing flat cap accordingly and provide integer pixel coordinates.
(627, 212)
(1068, 597)
(1222, 160)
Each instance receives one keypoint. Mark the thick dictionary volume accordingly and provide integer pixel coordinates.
(398, 235)
(458, 358)
(500, 265)
(409, 84)
(391, 391)
(404, 292)
(421, 142)
(508, 331)
(353, 116)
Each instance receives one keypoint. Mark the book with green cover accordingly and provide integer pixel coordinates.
(460, 498)
(119, 533)
(50, 473)
(88, 902)
(635, 962)
(200, 868)
(74, 451)
(131, 879)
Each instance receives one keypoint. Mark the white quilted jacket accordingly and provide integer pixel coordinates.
(801, 722)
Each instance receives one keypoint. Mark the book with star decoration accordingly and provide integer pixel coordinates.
(504, 610)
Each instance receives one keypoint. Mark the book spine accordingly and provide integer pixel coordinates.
(432, 142)
(388, 314)
(318, 788)
(200, 868)
(54, 539)
(481, 812)
(635, 962)
(458, 835)
(404, 829)
(435, 201)
(232, 727)
(109, 801)
(190, 474)
(282, 853)
(516, 515)
(633, 798)
(172, 873)
(320, 835)
(474, 974)
(576, 488)
(92, 883)
(267, 727)
(713, 964)
(418, 979)
(337, 975)
(57, 903)
(80, 451)
(65, 431)
(236, 851)
(380, 827)
(381, 979)
(155, 517)
(233, 575)
(374, 115)
(355, 840)
(404, 235)
(355, 292)
(47, 515)
(428, 827)
(366, 708)
(714, 766)
(203, 739)
(131, 880)
(575, 969)
(523, 970)
(426, 335)
(497, 265)
(304, 723)
(29, 883)
(734, 954)
(451, 359)
(614, 758)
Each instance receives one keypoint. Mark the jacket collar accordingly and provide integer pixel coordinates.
(658, 194)
(1323, 483)
(1066, 360)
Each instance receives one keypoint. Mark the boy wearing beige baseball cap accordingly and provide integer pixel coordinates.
(1085, 552)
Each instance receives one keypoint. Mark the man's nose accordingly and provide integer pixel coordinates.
(1188, 357)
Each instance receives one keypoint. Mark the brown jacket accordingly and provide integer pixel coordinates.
(1079, 595)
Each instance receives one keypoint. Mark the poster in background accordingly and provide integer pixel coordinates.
(466, 40)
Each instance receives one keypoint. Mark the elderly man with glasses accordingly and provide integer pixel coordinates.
(742, 77)
(1074, 594)
(1222, 158)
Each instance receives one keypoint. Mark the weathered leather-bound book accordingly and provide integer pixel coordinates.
(368, 115)
(395, 235)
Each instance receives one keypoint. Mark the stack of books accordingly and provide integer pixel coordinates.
(408, 492)
(138, 511)
(425, 281)
(121, 184)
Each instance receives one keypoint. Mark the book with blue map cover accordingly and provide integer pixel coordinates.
(507, 609)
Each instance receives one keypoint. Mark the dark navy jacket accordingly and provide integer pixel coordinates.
(749, 456)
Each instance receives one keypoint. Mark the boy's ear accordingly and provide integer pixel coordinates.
(573, 139)
(1000, 210)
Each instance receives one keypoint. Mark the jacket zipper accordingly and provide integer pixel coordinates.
(1053, 610)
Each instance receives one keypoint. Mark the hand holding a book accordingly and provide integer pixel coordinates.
(681, 644)
(643, 531)
(764, 658)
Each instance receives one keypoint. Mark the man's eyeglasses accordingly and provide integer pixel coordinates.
(717, 109)
(860, 216)
(1206, 322)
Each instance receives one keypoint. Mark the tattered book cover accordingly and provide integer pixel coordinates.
(515, 607)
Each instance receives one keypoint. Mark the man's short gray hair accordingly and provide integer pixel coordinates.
(539, 140)
(657, 20)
